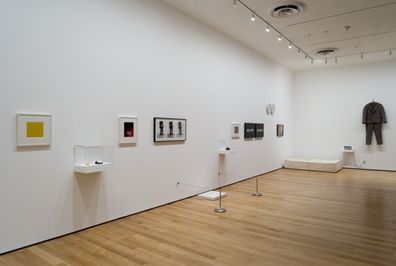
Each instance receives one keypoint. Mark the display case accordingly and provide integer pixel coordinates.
(92, 159)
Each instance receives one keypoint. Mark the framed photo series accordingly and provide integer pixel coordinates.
(170, 129)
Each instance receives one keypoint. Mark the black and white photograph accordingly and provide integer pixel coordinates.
(259, 130)
(170, 129)
(235, 130)
(250, 130)
(280, 130)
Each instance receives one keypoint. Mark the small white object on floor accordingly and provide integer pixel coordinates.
(212, 195)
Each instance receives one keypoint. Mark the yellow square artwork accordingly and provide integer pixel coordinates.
(34, 129)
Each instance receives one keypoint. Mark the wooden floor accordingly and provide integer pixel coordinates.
(303, 218)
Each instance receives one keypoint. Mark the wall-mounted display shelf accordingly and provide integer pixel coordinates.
(92, 159)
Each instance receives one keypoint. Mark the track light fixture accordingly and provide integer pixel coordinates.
(280, 37)
(269, 27)
(299, 51)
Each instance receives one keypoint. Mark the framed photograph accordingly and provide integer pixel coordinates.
(250, 130)
(235, 130)
(170, 129)
(33, 130)
(259, 130)
(127, 130)
(280, 130)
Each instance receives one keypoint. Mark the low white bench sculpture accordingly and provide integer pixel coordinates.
(314, 164)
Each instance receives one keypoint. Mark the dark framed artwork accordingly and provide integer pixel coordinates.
(259, 130)
(249, 130)
(280, 130)
(170, 129)
(127, 130)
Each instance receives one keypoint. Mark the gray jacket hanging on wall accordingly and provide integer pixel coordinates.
(374, 116)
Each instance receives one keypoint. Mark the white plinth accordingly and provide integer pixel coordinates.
(212, 195)
(92, 168)
(224, 151)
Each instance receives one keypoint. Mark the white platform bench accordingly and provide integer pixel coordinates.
(314, 164)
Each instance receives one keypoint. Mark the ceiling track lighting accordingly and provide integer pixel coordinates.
(280, 37)
(270, 27)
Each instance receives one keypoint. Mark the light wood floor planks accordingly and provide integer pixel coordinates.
(303, 218)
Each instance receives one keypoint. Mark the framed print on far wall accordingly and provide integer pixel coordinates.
(235, 130)
(33, 130)
(250, 130)
(127, 130)
(280, 130)
(259, 130)
(170, 129)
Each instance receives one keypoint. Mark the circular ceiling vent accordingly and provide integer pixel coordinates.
(288, 10)
(327, 51)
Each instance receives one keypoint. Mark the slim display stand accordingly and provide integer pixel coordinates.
(257, 193)
(220, 209)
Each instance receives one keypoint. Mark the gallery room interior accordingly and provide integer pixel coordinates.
(198, 132)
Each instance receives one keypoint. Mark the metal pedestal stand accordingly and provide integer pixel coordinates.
(257, 194)
(220, 209)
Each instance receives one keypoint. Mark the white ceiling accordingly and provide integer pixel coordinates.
(321, 25)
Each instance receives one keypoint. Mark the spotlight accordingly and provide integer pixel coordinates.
(299, 51)
(253, 17)
(390, 52)
(361, 56)
(280, 37)
(290, 45)
(306, 56)
(267, 29)
(235, 3)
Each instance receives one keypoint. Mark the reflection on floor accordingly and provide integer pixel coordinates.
(303, 218)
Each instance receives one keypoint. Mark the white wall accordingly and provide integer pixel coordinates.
(328, 105)
(88, 61)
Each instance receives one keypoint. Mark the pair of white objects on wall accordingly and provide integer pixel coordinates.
(270, 109)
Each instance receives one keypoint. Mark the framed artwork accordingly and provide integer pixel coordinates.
(127, 130)
(250, 130)
(170, 129)
(280, 130)
(33, 130)
(235, 130)
(259, 130)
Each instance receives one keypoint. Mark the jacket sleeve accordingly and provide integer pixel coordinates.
(364, 121)
(383, 116)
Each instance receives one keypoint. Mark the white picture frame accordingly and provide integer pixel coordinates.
(127, 129)
(33, 130)
(235, 130)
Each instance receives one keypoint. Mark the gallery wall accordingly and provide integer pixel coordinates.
(328, 107)
(87, 62)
